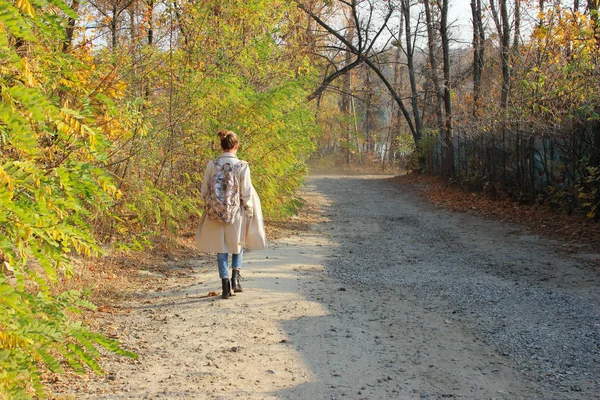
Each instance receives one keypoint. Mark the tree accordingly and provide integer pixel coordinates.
(363, 51)
(409, 51)
(444, 33)
(433, 64)
(53, 144)
(504, 31)
(478, 51)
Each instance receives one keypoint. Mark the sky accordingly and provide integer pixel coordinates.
(460, 12)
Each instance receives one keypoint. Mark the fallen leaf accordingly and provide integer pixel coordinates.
(105, 309)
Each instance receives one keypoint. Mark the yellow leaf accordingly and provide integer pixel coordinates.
(26, 7)
(27, 72)
(27, 233)
(591, 214)
(6, 180)
(10, 340)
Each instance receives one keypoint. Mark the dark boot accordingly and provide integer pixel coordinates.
(235, 280)
(226, 288)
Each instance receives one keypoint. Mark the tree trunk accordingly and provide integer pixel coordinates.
(449, 147)
(517, 31)
(397, 117)
(434, 69)
(593, 6)
(150, 39)
(478, 52)
(414, 94)
(368, 112)
(347, 98)
(495, 18)
(70, 30)
(113, 28)
(505, 55)
(150, 29)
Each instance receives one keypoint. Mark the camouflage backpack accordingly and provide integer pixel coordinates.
(223, 200)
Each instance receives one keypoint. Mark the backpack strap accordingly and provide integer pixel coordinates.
(239, 166)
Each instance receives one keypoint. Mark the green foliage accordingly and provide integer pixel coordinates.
(51, 180)
(38, 329)
(276, 132)
(240, 79)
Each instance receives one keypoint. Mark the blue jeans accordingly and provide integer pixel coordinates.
(236, 262)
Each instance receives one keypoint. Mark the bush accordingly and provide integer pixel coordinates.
(589, 192)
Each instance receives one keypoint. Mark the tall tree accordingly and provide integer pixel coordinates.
(445, 35)
(433, 65)
(347, 92)
(397, 117)
(409, 50)
(478, 51)
(363, 52)
(369, 120)
(505, 53)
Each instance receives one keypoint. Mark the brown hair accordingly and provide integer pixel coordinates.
(228, 139)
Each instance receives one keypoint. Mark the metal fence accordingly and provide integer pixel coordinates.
(516, 162)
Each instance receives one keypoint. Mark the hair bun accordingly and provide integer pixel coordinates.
(223, 133)
(228, 139)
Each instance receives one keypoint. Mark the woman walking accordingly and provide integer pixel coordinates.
(232, 217)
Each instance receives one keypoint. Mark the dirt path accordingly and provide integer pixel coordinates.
(387, 298)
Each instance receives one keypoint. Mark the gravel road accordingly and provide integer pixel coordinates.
(375, 295)
(511, 290)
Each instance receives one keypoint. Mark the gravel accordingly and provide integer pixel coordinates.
(516, 291)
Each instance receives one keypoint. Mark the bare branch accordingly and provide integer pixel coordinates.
(333, 77)
(328, 28)
(385, 22)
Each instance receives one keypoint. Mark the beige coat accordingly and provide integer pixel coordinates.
(219, 237)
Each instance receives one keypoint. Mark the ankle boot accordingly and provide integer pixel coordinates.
(226, 288)
(235, 281)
